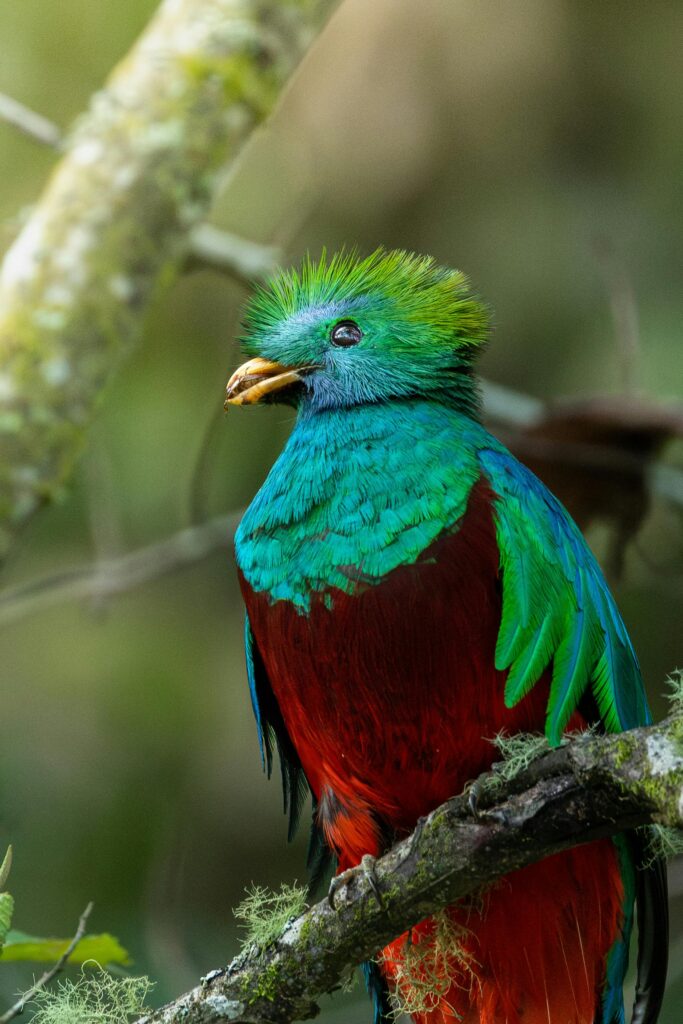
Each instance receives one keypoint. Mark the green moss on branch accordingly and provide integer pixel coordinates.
(139, 173)
(590, 787)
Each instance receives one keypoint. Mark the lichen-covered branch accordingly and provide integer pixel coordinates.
(138, 174)
(592, 787)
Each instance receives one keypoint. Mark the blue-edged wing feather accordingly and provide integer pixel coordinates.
(557, 607)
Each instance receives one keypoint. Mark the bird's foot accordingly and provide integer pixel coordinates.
(365, 870)
(475, 791)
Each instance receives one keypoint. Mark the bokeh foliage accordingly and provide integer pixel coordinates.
(520, 142)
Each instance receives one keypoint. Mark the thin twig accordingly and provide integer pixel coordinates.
(37, 127)
(114, 576)
(47, 977)
(231, 254)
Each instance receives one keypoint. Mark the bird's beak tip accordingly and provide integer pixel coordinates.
(258, 378)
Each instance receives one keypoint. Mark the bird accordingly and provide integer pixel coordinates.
(412, 590)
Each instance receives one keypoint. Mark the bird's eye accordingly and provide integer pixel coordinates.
(346, 333)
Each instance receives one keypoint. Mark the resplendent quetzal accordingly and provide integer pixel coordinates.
(411, 590)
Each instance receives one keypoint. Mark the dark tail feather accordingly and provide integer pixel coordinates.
(378, 991)
(294, 788)
(653, 931)
(320, 860)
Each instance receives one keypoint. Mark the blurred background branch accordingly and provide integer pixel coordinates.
(37, 127)
(107, 577)
(228, 253)
(139, 173)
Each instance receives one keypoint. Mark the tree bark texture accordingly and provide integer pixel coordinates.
(139, 172)
(591, 787)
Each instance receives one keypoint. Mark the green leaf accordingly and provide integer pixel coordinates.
(103, 949)
(6, 909)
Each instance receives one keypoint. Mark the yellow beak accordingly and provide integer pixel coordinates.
(255, 379)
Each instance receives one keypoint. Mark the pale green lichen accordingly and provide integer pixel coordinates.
(264, 913)
(675, 694)
(96, 998)
(663, 843)
(427, 969)
(518, 751)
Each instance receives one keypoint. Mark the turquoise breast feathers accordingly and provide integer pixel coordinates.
(355, 494)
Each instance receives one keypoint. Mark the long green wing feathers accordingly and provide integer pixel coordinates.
(557, 607)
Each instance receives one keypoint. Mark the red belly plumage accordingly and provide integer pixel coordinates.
(391, 698)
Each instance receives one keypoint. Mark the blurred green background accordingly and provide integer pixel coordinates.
(516, 141)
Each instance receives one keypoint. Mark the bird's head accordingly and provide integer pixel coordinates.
(349, 331)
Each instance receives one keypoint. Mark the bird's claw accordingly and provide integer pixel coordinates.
(496, 815)
(366, 870)
(474, 791)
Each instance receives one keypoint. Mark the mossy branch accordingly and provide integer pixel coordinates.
(138, 173)
(591, 787)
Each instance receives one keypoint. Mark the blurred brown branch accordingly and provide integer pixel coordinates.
(138, 174)
(591, 787)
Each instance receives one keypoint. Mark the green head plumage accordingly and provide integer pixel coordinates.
(390, 326)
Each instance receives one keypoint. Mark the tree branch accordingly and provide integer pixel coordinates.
(138, 174)
(37, 127)
(593, 786)
(107, 577)
(230, 254)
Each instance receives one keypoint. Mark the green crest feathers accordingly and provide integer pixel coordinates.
(412, 290)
